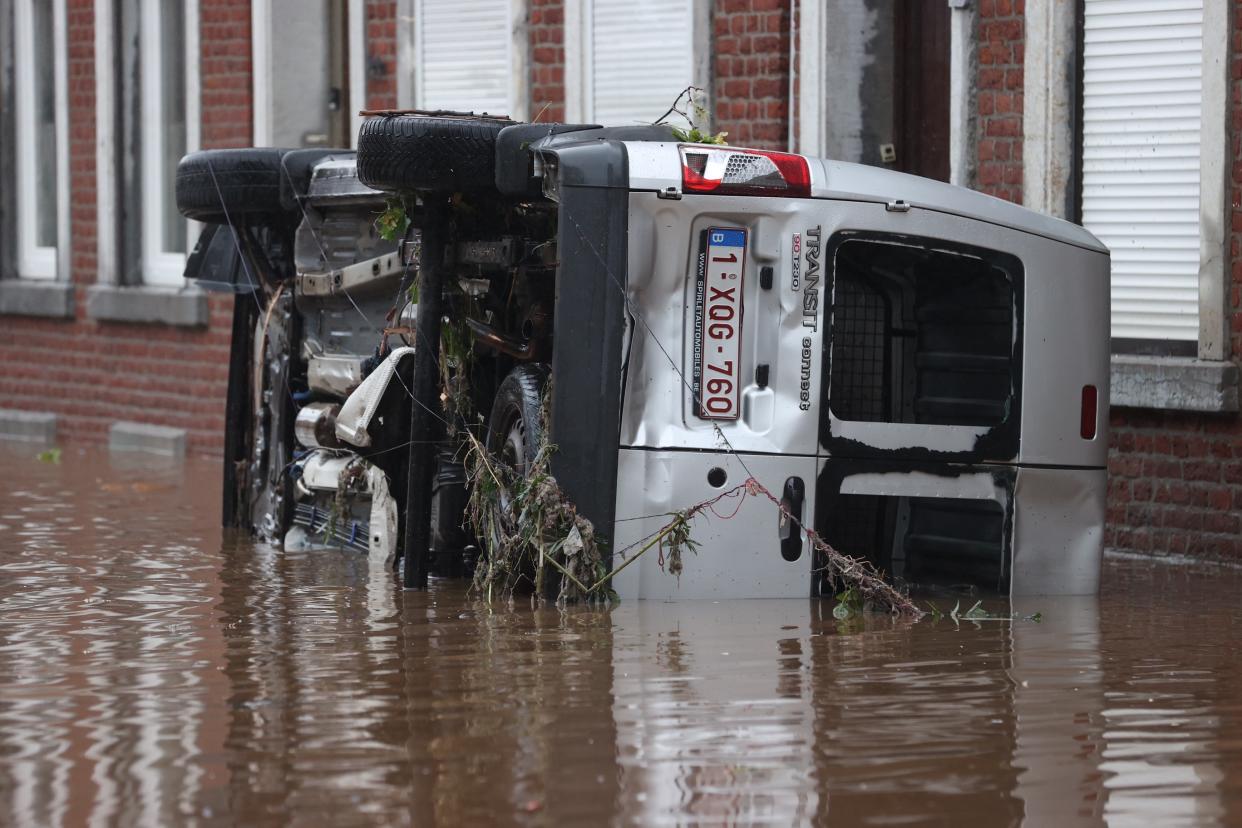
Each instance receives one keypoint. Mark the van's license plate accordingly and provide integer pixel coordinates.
(718, 323)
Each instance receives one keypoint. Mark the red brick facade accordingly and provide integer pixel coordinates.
(94, 373)
(751, 53)
(999, 90)
(547, 52)
(381, 59)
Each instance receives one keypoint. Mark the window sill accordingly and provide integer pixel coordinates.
(181, 307)
(1174, 383)
(30, 297)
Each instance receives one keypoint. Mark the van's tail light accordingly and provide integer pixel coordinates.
(729, 171)
(1089, 406)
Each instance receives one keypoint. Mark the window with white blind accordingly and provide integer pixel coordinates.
(165, 87)
(40, 72)
(469, 56)
(628, 60)
(1142, 110)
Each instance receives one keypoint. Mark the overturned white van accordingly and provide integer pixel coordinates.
(917, 372)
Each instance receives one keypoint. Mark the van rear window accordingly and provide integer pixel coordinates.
(922, 332)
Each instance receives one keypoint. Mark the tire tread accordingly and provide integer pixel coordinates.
(417, 152)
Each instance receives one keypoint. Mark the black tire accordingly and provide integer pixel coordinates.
(515, 427)
(253, 185)
(421, 152)
(241, 185)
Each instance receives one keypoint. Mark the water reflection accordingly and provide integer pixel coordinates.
(154, 672)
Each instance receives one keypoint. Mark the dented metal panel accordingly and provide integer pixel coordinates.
(739, 554)
(1059, 531)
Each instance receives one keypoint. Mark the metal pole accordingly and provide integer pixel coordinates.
(425, 407)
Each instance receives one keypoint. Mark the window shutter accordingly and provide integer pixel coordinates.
(1142, 96)
(641, 58)
(464, 55)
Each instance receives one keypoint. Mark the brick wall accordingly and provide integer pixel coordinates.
(80, 19)
(547, 51)
(1000, 43)
(224, 35)
(1176, 479)
(381, 60)
(1175, 484)
(92, 373)
(752, 72)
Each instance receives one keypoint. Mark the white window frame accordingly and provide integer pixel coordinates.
(261, 72)
(36, 261)
(1209, 381)
(356, 20)
(409, 34)
(1051, 52)
(579, 106)
(161, 267)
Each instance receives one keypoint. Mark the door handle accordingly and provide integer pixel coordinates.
(790, 534)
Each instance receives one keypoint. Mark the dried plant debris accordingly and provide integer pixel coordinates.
(689, 105)
(857, 579)
(531, 532)
(674, 540)
(456, 361)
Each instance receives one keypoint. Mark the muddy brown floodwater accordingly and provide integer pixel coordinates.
(156, 672)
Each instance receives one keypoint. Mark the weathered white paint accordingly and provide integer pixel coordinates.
(1049, 106)
(106, 265)
(963, 63)
(1214, 208)
(812, 40)
(64, 264)
(261, 71)
(848, 53)
(405, 54)
(1177, 383)
(845, 66)
(357, 33)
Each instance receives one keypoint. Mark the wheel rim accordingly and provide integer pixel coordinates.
(513, 449)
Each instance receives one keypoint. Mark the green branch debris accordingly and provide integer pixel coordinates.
(393, 223)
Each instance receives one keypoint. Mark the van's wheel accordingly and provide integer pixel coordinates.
(424, 152)
(515, 434)
(515, 427)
